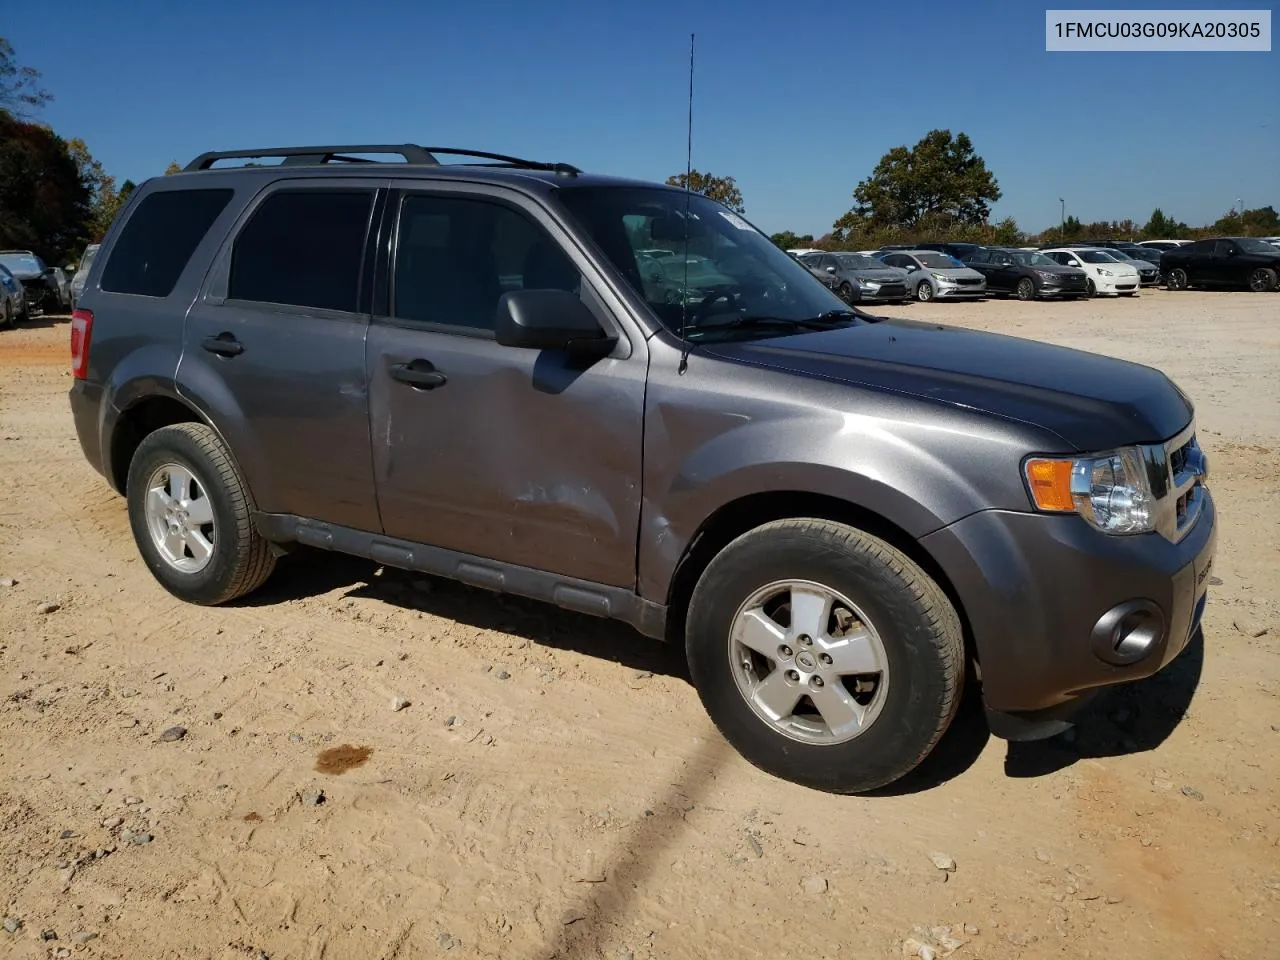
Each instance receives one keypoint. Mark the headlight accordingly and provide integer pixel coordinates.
(1046, 275)
(869, 284)
(1112, 492)
(1105, 273)
(941, 279)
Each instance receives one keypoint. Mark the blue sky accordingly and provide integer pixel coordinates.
(796, 101)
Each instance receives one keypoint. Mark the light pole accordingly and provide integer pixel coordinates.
(1063, 231)
(1239, 206)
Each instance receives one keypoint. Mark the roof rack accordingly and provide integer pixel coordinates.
(411, 152)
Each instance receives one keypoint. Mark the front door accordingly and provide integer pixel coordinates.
(517, 455)
(274, 352)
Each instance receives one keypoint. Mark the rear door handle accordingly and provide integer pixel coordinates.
(419, 373)
(224, 345)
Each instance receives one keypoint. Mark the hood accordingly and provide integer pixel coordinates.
(955, 272)
(1095, 403)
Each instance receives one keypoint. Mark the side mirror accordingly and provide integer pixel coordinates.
(550, 320)
(911, 268)
(831, 270)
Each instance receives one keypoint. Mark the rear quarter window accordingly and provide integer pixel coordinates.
(158, 239)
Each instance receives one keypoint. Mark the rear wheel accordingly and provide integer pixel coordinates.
(1262, 280)
(1026, 289)
(1177, 279)
(924, 292)
(824, 655)
(191, 516)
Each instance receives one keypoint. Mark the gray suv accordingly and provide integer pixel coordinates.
(458, 368)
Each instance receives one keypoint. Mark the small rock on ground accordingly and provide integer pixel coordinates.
(12, 924)
(313, 798)
(1042, 856)
(971, 929)
(399, 703)
(1193, 793)
(84, 936)
(814, 886)
(911, 947)
(8, 582)
(140, 839)
(943, 862)
(172, 735)
(47, 608)
(503, 675)
(446, 941)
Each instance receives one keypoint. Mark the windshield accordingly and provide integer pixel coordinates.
(938, 261)
(1029, 259)
(22, 262)
(1095, 256)
(1254, 245)
(856, 261)
(735, 272)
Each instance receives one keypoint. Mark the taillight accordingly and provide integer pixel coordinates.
(81, 329)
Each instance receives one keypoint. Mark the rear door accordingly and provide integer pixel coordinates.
(274, 350)
(516, 455)
(1225, 267)
(982, 261)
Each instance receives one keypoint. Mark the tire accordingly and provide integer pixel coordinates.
(1262, 280)
(924, 291)
(1026, 289)
(1129, 293)
(910, 631)
(1091, 287)
(238, 560)
(1177, 279)
(6, 316)
(845, 292)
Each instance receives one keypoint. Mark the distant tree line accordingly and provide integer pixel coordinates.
(54, 196)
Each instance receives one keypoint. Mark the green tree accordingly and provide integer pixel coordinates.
(721, 189)
(1162, 227)
(172, 168)
(935, 185)
(789, 241)
(20, 92)
(105, 200)
(45, 203)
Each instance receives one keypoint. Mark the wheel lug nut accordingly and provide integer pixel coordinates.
(815, 681)
(793, 676)
(784, 651)
(805, 639)
(825, 658)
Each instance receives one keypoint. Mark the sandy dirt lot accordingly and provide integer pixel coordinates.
(554, 788)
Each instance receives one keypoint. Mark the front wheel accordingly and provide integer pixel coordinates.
(1262, 280)
(924, 292)
(191, 516)
(1177, 279)
(1026, 289)
(824, 655)
(1091, 287)
(845, 292)
(6, 317)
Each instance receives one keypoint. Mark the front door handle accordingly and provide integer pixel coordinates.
(419, 373)
(224, 345)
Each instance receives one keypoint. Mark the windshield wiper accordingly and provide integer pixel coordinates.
(823, 321)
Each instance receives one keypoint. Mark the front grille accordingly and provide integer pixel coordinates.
(968, 281)
(892, 290)
(1179, 485)
(1073, 283)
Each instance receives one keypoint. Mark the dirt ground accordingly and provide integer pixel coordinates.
(554, 788)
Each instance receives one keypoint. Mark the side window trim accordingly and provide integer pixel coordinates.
(216, 285)
(384, 265)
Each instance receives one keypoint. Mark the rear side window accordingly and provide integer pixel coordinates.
(303, 248)
(158, 240)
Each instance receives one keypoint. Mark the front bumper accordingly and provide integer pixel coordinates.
(959, 292)
(882, 294)
(1034, 588)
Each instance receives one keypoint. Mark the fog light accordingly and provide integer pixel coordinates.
(1128, 632)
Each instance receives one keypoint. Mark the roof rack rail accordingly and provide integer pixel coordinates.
(411, 152)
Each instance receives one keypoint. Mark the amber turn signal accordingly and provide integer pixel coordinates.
(1050, 484)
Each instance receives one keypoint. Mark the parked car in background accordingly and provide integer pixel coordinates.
(857, 278)
(82, 272)
(1026, 274)
(1274, 241)
(1105, 274)
(13, 305)
(1148, 270)
(1223, 262)
(1162, 245)
(803, 251)
(932, 275)
(43, 291)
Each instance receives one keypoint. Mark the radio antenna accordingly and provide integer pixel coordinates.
(688, 193)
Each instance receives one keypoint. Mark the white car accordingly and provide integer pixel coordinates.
(1105, 276)
(1163, 245)
(802, 251)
